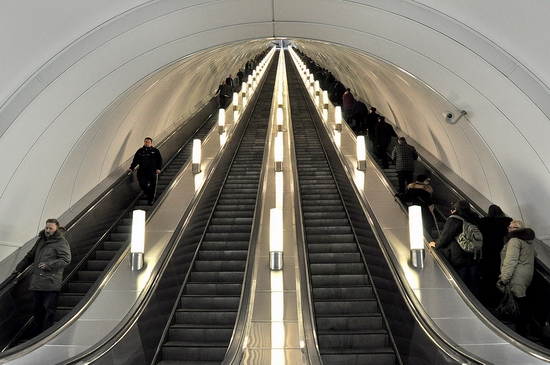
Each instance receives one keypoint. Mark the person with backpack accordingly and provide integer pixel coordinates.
(464, 262)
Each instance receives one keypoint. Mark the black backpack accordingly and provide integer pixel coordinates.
(470, 239)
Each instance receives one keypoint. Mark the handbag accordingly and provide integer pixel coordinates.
(508, 304)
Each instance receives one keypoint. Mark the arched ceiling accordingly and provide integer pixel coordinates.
(84, 82)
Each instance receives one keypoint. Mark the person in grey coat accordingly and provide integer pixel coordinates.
(517, 268)
(49, 257)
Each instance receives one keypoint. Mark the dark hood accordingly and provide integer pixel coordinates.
(526, 234)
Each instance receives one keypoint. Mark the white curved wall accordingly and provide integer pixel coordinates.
(80, 94)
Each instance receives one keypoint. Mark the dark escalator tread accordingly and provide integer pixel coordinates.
(381, 356)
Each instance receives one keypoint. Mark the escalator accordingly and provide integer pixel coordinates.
(445, 191)
(96, 243)
(90, 270)
(351, 328)
(361, 315)
(202, 325)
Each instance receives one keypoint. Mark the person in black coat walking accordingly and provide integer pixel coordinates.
(149, 160)
(383, 134)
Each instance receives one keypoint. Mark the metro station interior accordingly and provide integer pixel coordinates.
(84, 84)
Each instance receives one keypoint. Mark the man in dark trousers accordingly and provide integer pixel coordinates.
(370, 123)
(383, 134)
(49, 257)
(149, 160)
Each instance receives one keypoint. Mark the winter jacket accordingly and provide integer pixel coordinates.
(420, 194)
(404, 155)
(383, 133)
(448, 245)
(55, 252)
(148, 159)
(518, 261)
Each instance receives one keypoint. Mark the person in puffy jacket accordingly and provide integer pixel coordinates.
(49, 257)
(517, 268)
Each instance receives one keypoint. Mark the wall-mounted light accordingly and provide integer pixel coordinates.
(416, 236)
(361, 153)
(278, 152)
(137, 246)
(196, 158)
(279, 119)
(276, 239)
(338, 118)
(221, 121)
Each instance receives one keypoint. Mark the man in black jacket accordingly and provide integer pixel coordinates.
(149, 160)
(49, 257)
(383, 134)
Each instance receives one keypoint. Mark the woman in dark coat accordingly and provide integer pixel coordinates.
(493, 227)
(464, 263)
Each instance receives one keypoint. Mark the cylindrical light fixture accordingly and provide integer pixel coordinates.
(221, 121)
(279, 152)
(279, 119)
(361, 153)
(338, 118)
(235, 101)
(276, 239)
(137, 246)
(196, 159)
(325, 99)
(280, 97)
(416, 235)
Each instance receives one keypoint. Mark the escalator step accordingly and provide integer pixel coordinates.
(210, 317)
(210, 302)
(213, 289)
(350, 292)
(226, 277)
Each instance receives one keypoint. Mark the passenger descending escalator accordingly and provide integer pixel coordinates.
(351, 328)
(202, 326)
(99, 244)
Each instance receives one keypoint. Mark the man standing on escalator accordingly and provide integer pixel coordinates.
(149, 160)
(49, 257)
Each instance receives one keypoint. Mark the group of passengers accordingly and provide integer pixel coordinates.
(229, 84)
(507, 260)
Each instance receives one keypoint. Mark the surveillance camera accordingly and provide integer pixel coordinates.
(448, 116)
